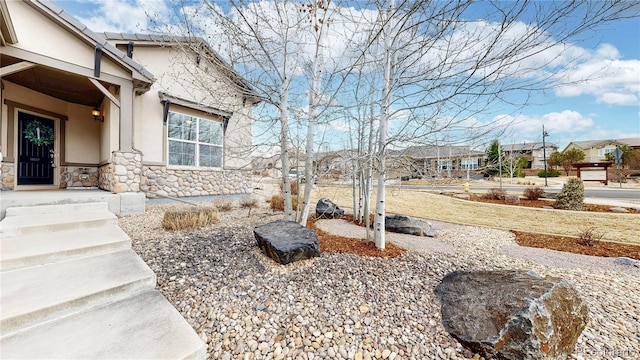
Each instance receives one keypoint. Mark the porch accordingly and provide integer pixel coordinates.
(120, 204)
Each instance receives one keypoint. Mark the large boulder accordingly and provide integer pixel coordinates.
(326, 209)
(407, 225)
(512, 314)
(287, 241)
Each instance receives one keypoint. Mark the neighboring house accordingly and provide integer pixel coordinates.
(533, 152)
(430, 160)
(124, 113)
(597, 150)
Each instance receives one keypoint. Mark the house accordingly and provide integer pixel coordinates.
(126, 113)
(596, 150)
(439, 161)
(534, 152)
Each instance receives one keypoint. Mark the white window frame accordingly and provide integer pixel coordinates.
(604, 151)
(469, 164)
(196, 142)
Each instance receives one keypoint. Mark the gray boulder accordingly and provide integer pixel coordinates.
(326, 209)
(512, 314)
(287, 241)
(408, 225)
(627, 261)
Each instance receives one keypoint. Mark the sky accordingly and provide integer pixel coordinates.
(606, 107)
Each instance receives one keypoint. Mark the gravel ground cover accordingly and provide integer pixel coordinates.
(245, 306)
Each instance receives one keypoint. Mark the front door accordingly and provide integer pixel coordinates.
(36, 138)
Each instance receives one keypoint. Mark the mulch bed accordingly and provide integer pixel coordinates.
(338, 244)
(577, 246)
(541, 203)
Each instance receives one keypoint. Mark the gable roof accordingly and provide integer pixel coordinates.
(526, 146)
(59, 16)
(589, 144)
(196, 42)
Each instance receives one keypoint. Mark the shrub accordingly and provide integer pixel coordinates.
(189, 219)
(495, 194)
(294, 188)
(550, 173)
(533, 193)
(512, 199)
(224, 206)
(571, 196)
(590, 237)
(249, 203)
(277, 203)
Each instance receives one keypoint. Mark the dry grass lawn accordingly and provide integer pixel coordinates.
(615, 227)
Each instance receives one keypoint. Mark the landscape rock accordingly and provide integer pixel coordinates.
(287, 241)
(462, 196)
(512, 314)
(407, 225)
(326, 209)
(628, 261)
(512, 199)
(618, 209)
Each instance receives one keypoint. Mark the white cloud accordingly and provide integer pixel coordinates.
(128, 16)
(605, 76)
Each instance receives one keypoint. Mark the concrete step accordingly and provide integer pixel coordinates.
(51, 218)
(41, 293)
(57, 209)
(37, 249)
(145, 326)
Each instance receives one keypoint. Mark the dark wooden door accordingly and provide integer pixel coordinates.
(36, 138)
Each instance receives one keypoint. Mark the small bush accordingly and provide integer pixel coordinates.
(294, 188)
(571, 196)
(249, 203)
(590, 237)
(224, 206)
(189, 219)
(512, 199)
(277, 203)
(495, 194)
(550, 173)
(533, 193)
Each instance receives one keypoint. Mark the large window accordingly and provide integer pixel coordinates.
(194, 141)
(469, 164)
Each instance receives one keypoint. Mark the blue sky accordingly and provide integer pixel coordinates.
(606, 107)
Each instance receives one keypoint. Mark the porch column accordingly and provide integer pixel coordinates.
(126, 118)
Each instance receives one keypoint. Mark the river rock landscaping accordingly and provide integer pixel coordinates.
(347, 306)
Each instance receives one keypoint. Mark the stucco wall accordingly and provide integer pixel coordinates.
(178, 75)
(37, 34)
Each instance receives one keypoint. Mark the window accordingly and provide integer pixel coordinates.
(605, 151)
(194, 141)
(444, 164)
(469, 164)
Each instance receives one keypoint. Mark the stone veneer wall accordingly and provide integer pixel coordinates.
(179, 183)
(106, 179)
(122, 174)
(7, 178)
(70, 176)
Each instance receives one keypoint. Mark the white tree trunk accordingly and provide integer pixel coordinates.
(284, 150)
(379, 226)
(316, 80)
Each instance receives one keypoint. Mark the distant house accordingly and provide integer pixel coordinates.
(597, 150)
(125, 113)
(534, 152)
(436, 161)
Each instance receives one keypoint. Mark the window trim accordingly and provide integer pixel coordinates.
(197, 143)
